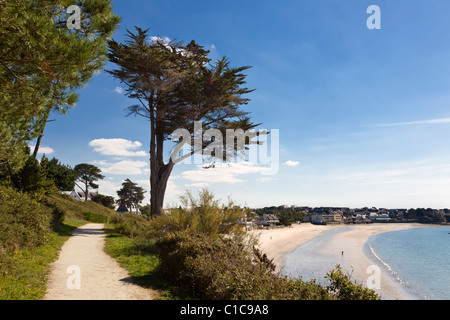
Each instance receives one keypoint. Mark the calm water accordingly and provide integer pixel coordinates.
(418, 258)
(315, 258)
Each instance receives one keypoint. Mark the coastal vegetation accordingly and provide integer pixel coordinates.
(33, 227)
(43, 63)
(201, 251)
(287, 215)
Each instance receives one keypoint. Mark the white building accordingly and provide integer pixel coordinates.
(80, 195)
(320, 218)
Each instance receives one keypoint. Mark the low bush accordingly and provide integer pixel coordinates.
(131, 225)
(24, 223)
(74, 209)
(203, 215)
(345, 289)
(224, 269)
(95, 217)
(203, 251)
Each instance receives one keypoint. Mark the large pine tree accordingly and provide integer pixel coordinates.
(176, 85)
(42, 63)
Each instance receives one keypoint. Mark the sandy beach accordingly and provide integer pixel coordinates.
(278, 242)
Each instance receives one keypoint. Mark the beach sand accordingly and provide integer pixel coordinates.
(276, 243)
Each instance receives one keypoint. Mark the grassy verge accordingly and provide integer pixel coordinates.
(23, 275)
(139, 258)
(33, 228)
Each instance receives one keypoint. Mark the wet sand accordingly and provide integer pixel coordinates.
(329, 243)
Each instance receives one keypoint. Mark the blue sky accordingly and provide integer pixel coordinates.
(363, 115)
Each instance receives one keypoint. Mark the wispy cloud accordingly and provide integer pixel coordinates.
(292, 163)
(126, 167)
(119, 90)
(410, 123)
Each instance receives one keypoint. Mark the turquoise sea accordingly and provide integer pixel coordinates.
(417, 260)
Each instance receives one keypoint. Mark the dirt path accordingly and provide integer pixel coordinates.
(84, 271)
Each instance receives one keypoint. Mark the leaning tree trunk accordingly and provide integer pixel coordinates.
(158, 185)
(159, 171)
(38, 142)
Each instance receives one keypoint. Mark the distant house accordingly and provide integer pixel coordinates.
(332, 218)
(123, 209)
(80, 195)
(379, 217)
(267, 220)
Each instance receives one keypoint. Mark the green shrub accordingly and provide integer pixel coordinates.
(24, 223)
(74, 209)
(131, 225)
(345, 289)
(58, 214)
(203, 250)
(95, 217)
(225, 269)
(202, 215)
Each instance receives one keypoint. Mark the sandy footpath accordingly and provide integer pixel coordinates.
(277, 243)
(84, 271)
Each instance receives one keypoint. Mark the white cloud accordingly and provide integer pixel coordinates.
(108, 188)
(42, 150)
(117, 147)
(291, 163)
(164, 40)
(126, 167)
(119, 90)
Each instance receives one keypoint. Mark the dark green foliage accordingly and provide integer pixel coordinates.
(204, 250)
(130, 195)
(24, 223)
(423, 215)
(345, 289)
(289, 216)
(175, 86)
(43, 63)
(95, 217)
(224, 269)
(132, 225)
(88, 174)
(107, 201)
(58, 214)
(73, 209)
(45, 176)
(145, 210)
(61, 175)
(29, 177)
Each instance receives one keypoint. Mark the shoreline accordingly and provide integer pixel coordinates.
(278, 243)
